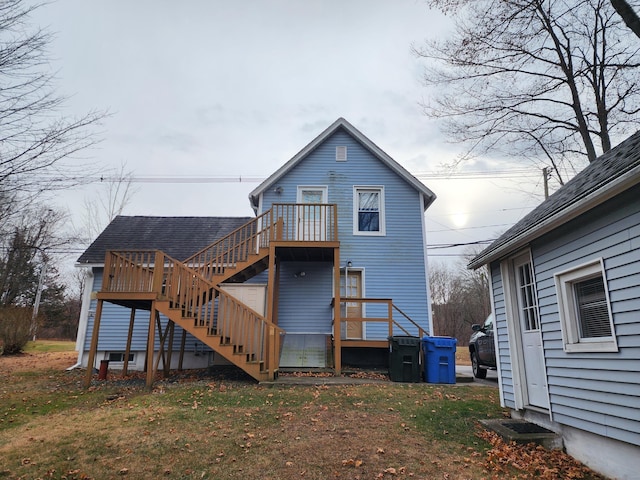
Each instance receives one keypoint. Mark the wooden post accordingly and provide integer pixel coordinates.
(276, 292)
(169, 347)
(182, 343)
(337, 320)
(271, 283)
(94, 345)
(158, 272)
(162, 336)
(151, 340)
(273, 351)
(125, 368)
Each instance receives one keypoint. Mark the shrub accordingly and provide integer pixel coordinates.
(15, 329)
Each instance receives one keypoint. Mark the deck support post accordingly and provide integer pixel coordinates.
(337, 321)
(169, 348)
(183, 341)
(270, 355)
(151, 340)
(162, 336)
(127, 351)
(94, 344)
(271, 280)
(276, 291)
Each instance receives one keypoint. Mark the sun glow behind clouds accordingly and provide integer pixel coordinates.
(459, 218)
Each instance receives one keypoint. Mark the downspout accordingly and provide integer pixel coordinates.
(84, 317)
(426, 264)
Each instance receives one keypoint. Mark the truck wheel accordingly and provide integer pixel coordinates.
(477, 371)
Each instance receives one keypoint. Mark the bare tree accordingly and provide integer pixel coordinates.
(628, 15)
(108, 200)
(37, 144)
(547, 81)
(459, 299)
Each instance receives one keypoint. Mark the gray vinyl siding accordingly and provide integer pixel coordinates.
(394, 264)
(500, 322)
(114, 326)
(597, 392)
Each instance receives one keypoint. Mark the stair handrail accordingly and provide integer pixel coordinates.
(421, 331)
(233, 321)
(153, 271)
(234, 247)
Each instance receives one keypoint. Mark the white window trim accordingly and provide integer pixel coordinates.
(383, 227)
(571, 340)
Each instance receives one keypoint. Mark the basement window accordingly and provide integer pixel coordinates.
(585, 309)
(118, 357)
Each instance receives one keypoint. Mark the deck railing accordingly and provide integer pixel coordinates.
(388, 318)
(129, 271)
(304, 222)
(196, 298)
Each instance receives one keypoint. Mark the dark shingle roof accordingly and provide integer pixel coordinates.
(179, 237)
(559, 207)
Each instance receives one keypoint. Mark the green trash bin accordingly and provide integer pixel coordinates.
(404, 359)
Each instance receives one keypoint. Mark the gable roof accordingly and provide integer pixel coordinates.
(610, 174)
(341, 123)
(179, 237)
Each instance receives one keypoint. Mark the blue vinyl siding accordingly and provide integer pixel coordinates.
(394, 264)
(597, 392)
(305, 302)
(114, 326)
(500, 321)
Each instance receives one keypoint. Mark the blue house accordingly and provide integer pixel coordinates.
(565, 290)
(333, 263)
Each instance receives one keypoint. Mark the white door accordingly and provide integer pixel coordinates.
(351, 286)
(311, 221)
(529, 322)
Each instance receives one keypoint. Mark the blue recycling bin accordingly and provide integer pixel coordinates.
(439, 359)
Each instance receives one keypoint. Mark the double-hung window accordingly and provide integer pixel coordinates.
(368, 211)
(585, 313)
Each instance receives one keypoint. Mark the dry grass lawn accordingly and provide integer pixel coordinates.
(211, 427)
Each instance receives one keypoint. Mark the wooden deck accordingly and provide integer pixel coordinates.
(188, 294)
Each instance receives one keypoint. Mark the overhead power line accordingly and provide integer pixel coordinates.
(172, 178)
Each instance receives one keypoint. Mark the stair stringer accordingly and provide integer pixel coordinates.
(225, 273)
(233, 353)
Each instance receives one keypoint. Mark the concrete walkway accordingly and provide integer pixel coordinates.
(464, 375)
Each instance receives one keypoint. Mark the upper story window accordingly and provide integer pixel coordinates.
(583, 301)
(368, 211)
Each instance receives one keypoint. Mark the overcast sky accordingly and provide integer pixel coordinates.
(236, 88)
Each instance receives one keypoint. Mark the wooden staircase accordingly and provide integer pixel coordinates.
(188, 293)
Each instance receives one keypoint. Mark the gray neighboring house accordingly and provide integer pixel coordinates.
(565, 291)
(179, 237)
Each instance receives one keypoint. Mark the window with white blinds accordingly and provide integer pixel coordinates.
(585, 313)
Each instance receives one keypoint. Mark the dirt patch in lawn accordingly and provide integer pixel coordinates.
(37, 361)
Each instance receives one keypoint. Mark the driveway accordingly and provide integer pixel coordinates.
(465, 371)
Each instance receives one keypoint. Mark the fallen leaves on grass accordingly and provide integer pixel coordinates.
(531, 460)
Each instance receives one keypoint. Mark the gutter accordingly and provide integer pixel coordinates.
(597, 197)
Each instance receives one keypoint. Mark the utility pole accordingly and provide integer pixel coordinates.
(36, 302)
(545, 178)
